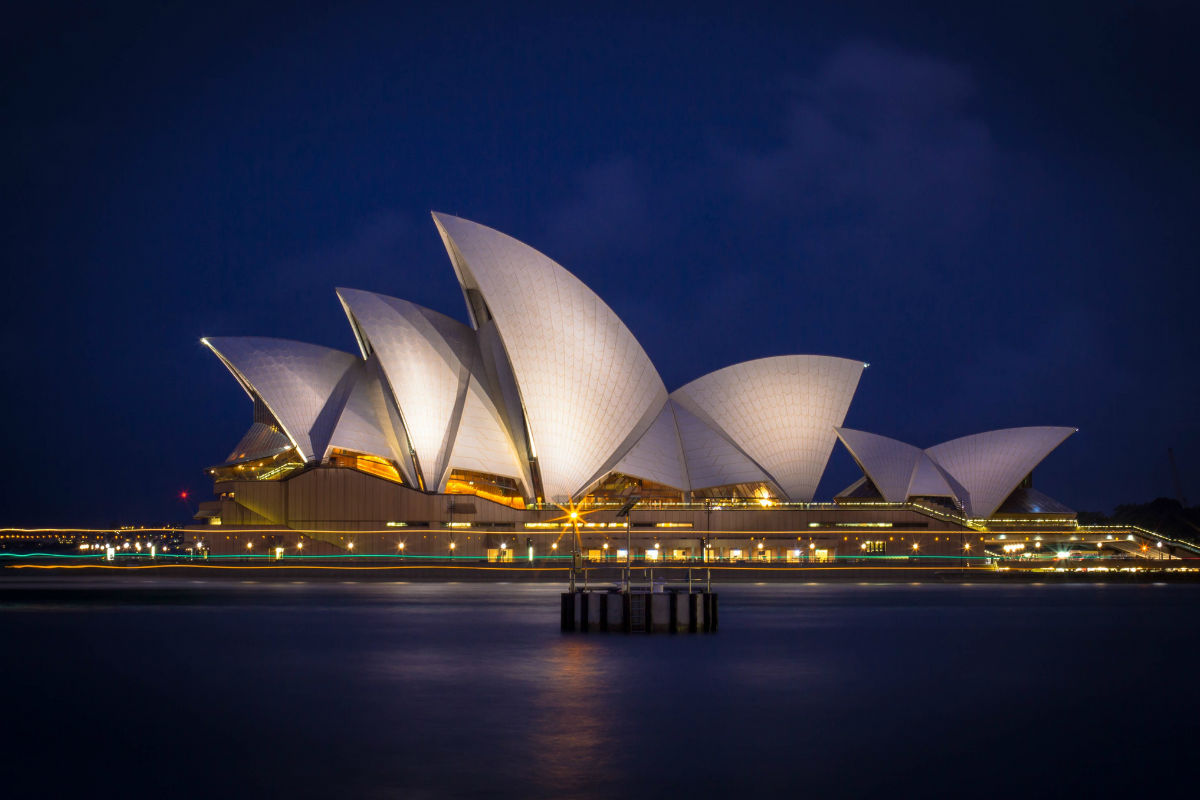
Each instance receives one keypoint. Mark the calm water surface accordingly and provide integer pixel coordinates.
(127, 687)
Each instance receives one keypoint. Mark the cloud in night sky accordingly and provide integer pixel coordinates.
(878, 146)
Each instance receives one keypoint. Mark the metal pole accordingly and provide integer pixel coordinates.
(628, 553)
(575, 545)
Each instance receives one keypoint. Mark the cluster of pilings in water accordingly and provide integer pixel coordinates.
(649, 607)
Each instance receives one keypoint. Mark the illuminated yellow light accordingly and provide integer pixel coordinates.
(763, 497)
(351, 545)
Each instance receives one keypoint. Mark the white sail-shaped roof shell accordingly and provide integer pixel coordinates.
(367, 422)
(482, 443)
(433, 366)
(780, 411)
(587, 387)
(897, 469)
(303, 385)
(990, 465)
(711, 459)
(929, 480)
(427, 359)
(889, 463)
(504, 395)
(658, 455)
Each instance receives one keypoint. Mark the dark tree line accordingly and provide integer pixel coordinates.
(1163, 515)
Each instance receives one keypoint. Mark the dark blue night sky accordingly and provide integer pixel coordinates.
(996, 208)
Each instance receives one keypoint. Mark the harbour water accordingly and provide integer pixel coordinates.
(125, 686)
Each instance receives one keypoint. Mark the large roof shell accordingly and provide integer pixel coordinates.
(889, 463)
(587, 387)
(990, 465)
(711, 459)
(303, 385)
(781, 412)
(498, 376)
(482, 443)
(367, 421)
(427, 359)
(658, 455)
(897, 469)
(436, 372)
(929, 480)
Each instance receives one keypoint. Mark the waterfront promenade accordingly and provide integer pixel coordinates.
(392, 568)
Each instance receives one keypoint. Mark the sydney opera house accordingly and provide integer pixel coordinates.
(491, 438)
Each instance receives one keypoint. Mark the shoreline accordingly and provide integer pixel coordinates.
(596, 577)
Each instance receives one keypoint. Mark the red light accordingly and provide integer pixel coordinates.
(183, 495)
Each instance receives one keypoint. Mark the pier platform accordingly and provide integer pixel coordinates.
(615, 610)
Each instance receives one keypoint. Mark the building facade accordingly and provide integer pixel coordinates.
(440, 436)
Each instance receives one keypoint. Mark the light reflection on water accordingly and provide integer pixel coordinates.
(572, 743)
(415, 689)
